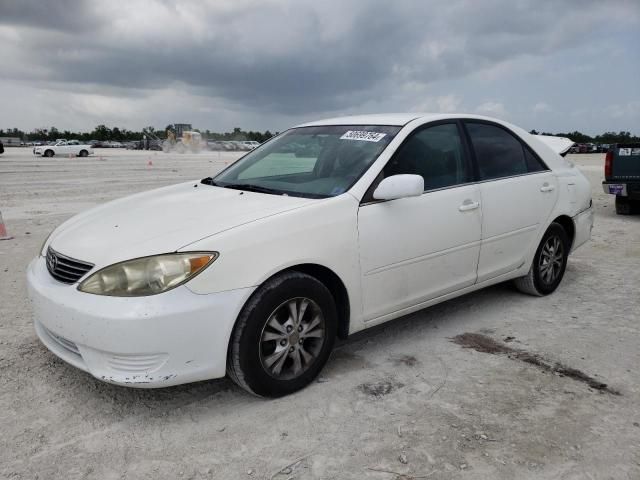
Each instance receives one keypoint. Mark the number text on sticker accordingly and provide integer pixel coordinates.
(363, 136)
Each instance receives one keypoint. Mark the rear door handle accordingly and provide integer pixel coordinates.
(547, 188)
(468, 205)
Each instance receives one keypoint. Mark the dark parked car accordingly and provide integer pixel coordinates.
(604, 147)
(622, 177)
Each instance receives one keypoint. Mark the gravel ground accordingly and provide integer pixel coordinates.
(399, 402)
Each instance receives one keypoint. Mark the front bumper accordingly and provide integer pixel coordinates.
(157, 341)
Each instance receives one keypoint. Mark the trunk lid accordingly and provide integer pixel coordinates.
(560, 145)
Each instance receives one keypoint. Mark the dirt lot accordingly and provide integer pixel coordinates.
(403, 401)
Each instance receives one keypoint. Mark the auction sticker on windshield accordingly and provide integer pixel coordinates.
(363, 136)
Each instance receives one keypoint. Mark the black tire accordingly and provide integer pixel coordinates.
(624, 206)
(83, 153)
(245, 358)
(538, 282)
(48, 153)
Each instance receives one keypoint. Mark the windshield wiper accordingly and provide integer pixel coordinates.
(243, 186)
(252, 188)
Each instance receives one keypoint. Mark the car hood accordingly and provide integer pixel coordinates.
(162, 221)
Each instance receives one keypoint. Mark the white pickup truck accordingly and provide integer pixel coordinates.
(64, 148)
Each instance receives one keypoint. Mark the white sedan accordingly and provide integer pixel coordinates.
(64, 148)
(327, 229)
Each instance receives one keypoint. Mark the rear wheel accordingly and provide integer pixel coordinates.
(83, 153)
(48, 153)
(549, 263)
(284, 335)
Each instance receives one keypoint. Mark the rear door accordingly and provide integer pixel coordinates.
(518, 193)
(418, 248)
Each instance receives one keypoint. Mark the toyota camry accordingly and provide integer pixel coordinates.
(328, 228)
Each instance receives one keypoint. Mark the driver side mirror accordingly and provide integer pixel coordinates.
(399, 186)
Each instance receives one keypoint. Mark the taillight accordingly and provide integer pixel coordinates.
(608, 164)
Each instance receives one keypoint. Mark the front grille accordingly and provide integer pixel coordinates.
(66, 269)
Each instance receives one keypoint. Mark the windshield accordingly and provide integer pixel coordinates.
(315, 162)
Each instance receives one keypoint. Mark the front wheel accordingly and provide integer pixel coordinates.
(284, 335)
(549, 263)
(83, 153)
(48, 153)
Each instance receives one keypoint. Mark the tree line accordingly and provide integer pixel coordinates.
(607, 137)
(103, 133)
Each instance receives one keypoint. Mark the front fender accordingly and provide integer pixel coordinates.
(323, 233)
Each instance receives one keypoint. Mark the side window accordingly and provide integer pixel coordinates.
(534, 164)
(498, 153)
(435, 153)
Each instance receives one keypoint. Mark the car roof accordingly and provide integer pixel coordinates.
(539, 144)
(394, 119)
(398, 119)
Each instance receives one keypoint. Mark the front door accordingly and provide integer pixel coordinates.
(419, 248)
(63, 149)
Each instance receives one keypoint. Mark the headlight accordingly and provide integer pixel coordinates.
(147, 275)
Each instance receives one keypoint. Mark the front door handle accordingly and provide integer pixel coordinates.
(468, 205)
(547, 188)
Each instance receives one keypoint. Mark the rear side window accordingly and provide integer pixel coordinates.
(498, 153)
(534, 164)
(436, 153)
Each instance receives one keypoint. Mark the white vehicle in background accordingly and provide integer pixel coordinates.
(64, 148)
(241, 145)
(325, 230)
(251, 144)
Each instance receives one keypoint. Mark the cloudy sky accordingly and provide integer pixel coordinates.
(268, 64)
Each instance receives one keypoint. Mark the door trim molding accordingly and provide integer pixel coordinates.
(423, 258)
(509, 234)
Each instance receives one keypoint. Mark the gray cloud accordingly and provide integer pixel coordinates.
(294, 58)
(56, 15)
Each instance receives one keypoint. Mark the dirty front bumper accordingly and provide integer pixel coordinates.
(161, 340)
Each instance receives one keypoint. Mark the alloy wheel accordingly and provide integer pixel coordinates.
(292, 338)
(551, 259)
